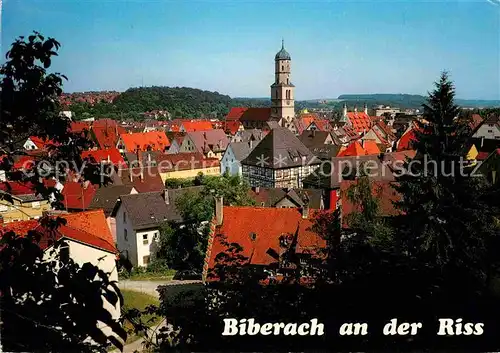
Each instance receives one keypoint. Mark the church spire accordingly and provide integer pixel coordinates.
(282, 43)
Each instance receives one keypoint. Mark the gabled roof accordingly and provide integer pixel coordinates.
(89, 228)
(354, 149)
(153, 140)
(314, 138)
(105, 197)
(212, 140)
(258, 239)
(235, 113)
(22, 191)
(106, 133)
(150, 209)
(407, 140)
(360, 121)
(271, 196)
(41, 143)
(256, 114)
(197, 125)
(280, 149)
(241, 150)
(78, 196)
(232, 126)
(111, 155)
(370, 147)
(147, 181)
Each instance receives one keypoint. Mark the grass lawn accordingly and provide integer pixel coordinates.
(139, 301)
(150, 276)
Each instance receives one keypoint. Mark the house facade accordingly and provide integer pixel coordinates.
(19, 202)
(235, 153)
(279, 160)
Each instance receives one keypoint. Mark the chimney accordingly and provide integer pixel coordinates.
(219, 209)
(365, 109)
(166, 197)
(109, 159)
(355, 109)
(305, 210)
(250, 143)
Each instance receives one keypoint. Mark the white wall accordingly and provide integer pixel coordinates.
(148, 249)
(230, 162)
(82, 253)
(488, 131)
(128, 247)
(29, 145)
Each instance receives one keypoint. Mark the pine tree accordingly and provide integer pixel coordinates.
(446, 225)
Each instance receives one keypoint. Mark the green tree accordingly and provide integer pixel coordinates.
(51, 305)
(446, 223)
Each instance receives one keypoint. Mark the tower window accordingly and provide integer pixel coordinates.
(282, 67)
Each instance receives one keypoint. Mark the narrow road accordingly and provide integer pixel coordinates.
(149, 287)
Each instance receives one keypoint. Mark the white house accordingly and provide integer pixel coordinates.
(85, 238)
(234, 154)
(489, 129)
(139, 218)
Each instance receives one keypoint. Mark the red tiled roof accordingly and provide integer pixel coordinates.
(197, 125)
(232, 127)
(360, 121)
(85, 227)
(149, 182)
(370, 147)
(156, 140)
(354, 149)
(240, 222)
(256, 114)
(476, 120)
(407, 140)
(235, 113)
(77, 196)
(24, 162)
(93, 222)
(79, 126)
(383, 191)
(481, 156)
(107, 136)
(42, 143)
(17, 188)
(101, 155)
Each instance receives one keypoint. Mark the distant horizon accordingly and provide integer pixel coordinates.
(336, 46)
(296, 99)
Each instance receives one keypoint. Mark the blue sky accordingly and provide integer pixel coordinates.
(228, 46)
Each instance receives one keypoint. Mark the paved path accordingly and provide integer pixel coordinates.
(149, 287)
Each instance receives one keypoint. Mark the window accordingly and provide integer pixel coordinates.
(124, 217)
(4, 208)
(282, 67)
(145, 260)
(64, 253)
(35, 204)
(125, 235)
(157, 236)
(145, 240)
(262, 203)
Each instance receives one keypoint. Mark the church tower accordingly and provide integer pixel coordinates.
(282, 95)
